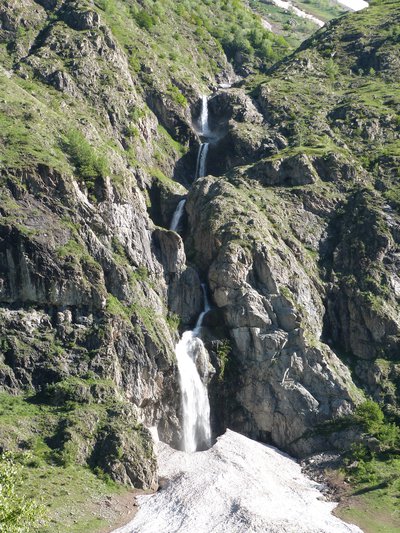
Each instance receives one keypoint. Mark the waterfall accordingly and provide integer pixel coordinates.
(177, 215)
(195, 404)
(201, 163)
(204, 132)
(204, 116)
(202, 160)
(190, 348)
(207, 307)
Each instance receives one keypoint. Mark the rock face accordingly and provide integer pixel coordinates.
(90, 288)
(285, 380)
(297, 236)
(300, 247)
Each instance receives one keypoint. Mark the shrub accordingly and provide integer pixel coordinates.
(176, 95)
(88, 163)
(370, 416)
(223, 351)
(144, 20)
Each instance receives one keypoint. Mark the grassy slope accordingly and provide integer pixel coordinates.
(73, 496)
(292, 27)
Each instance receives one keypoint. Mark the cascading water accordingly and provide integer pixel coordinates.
(204, 116)
(201, 160)
(200, 164)
(175, 222)
(195, 404)
(204, 132)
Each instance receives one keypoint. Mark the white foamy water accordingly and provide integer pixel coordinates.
(201, 165)
(195, 404)
(176, 219)
(237, 486)
(204, 116)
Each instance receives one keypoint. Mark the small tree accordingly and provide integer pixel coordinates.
(17, 513)
(370, 415)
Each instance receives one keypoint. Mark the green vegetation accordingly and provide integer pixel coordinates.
(372, 420)
(204, 28)
(167, 143)
(72, 495)
(89, 164)
(144, 19)
(223, 350)
(18, 514)
(293, 28)
(374, 512)
(373, 470)
(176, 95)
(173, 321)
(26, 139)
(322, 9)
(347, 122)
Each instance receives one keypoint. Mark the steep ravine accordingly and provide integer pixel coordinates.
(192, 358)
(290, 221)
(182, 500)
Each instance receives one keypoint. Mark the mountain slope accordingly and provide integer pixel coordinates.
(296, 230)
(300, 240)
(95, 121)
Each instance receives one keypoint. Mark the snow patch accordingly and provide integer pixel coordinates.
(237, 486)
(354, 5)
(288, 6)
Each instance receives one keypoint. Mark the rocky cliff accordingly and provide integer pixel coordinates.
(295, 229)
(97, 147)
(299, 233)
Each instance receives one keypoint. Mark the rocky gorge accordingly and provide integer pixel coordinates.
(292, 225)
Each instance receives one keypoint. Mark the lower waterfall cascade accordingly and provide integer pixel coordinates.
(176, 219)
(195, 403)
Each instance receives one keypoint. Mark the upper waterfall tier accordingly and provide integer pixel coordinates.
(205, 129)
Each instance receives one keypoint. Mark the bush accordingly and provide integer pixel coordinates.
(89, 165)
(223, 351)
(370, 416)
(144, 20)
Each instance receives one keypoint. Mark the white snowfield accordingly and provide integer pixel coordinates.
(288, 6)
(354, 5)
(237, 486)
